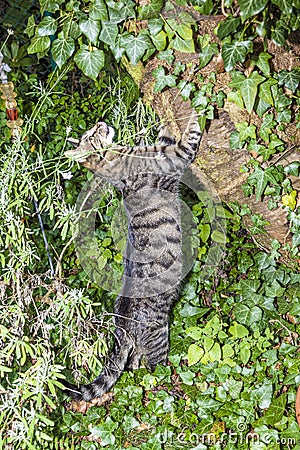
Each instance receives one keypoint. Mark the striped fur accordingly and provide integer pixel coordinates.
(148, 179)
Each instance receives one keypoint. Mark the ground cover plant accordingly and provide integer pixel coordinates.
(233, 369)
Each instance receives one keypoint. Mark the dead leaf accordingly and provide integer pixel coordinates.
(82, 406)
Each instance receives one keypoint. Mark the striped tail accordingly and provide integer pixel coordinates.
(105, 381)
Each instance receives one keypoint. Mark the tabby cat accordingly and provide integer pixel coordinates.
(148, 178)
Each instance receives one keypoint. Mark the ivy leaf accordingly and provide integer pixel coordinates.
(49, 5)
(235, 52)
(195, 353)
(262, 62)
(263, 395)
(275, 290)
(160, 40)
(62, 49)
(166, 55)
(30, 29)
(90, 62)
(249, 89)
(90, 28)
(246, 131)
(279, 34)
(265, 92)
(284, 116)
(150, 10)
(186, 89)
(227, 26)
(136, 46)
(105, 432)
(293, 169)
(207, 51)
(47, 26)
(109, 32)
(163, 80)
(238, 331)
(260, 178)
(39, 44)
(249, 9)
(290, 78)
(276, 411)
(184, 41)
(155, 26)
(236, 98)
(289, 200)
(98, 10)
(285, 6)
(215, 352)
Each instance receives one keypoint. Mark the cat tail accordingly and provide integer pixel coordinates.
(105, 381)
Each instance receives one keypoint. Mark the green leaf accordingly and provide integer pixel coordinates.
(47, 26)
(49, 6)
(265, 92)
(235, 52)
(186, 89)
(249, 89)
(289, 78)
(39, 44)
(276, 411)
(90, 28)
(293, 169)
(263, 394)
(30, 29)
(238, 331)
(71, 29)
(279, 34)
(284, 116)
(62, 49)
(260, 178)
(195, 353)
(250, 9)
(184, 41)
(166, 55)
(262, 62)
(275, 290)
(215, 352)
(136, 46)
(285, 6)
(105, 432)
(109, 32)
(228, 26)
(98, 10)
(90, 62)
(246, 131)
(244, 352)
(204, 232)
(155, 26)
(235, 142)
(163, 80)
(151, 9)
(236, 97)
(219, 237)
(227, 351)
(207, 50)
(160, 40)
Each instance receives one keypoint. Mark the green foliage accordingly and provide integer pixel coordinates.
(234, 356)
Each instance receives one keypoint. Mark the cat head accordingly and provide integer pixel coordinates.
(96, 140)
